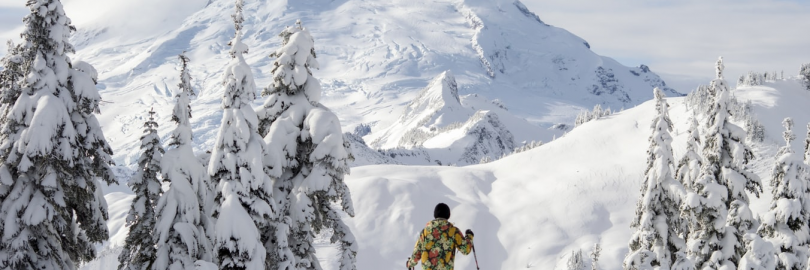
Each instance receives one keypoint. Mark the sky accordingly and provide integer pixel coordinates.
(679, 39)
(685, 37)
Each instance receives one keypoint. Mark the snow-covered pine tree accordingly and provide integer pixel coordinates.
(308, 155)
(53, 154)
(722, 186)
(183, 229)
(688, 169)
(657, 222)
(785, 224)
(575, 261)
(243, 206)
(10, 78)
(807, 146)
(595, 252)
(804, 75)
(139, 247)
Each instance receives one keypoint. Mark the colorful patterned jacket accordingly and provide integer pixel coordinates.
(437, 245)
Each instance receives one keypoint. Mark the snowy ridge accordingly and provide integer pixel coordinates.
(452, 133)
(374, 55)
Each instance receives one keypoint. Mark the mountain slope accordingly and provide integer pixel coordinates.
(375, 56)
(531, 209)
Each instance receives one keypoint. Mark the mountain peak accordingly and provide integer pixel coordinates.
(441, 92)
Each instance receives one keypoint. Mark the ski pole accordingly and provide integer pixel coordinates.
(476, 258)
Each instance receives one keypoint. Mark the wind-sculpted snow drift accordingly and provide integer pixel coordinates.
(375, 57)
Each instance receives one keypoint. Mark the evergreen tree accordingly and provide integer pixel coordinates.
(804, 75)
(139, 247)
(53, 153)
(10, 78)
(688, 169)
(721, 211)
(183, 228)
(243, 205)
(785, 224)
(575, 262)
(595, 252)
(308, 154)
(10, 89)
(807, 146)
(688, 172)
(657, 221)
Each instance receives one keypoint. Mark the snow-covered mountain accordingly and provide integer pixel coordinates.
(375, 57)
(451, 130)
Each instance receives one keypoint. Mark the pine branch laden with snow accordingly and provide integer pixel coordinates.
(785, 224)
(307, 153)
(759, 254)
(657, 222)
(721, 202)
(243, 206)
(183, 229)
(139, 250)
(53, 152)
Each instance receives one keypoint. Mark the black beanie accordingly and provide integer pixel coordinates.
(441, 211)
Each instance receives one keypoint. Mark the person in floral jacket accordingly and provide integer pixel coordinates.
(438, 242)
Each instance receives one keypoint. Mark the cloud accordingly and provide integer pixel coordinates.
(143, 17)
(136, 18)
(686, 37)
